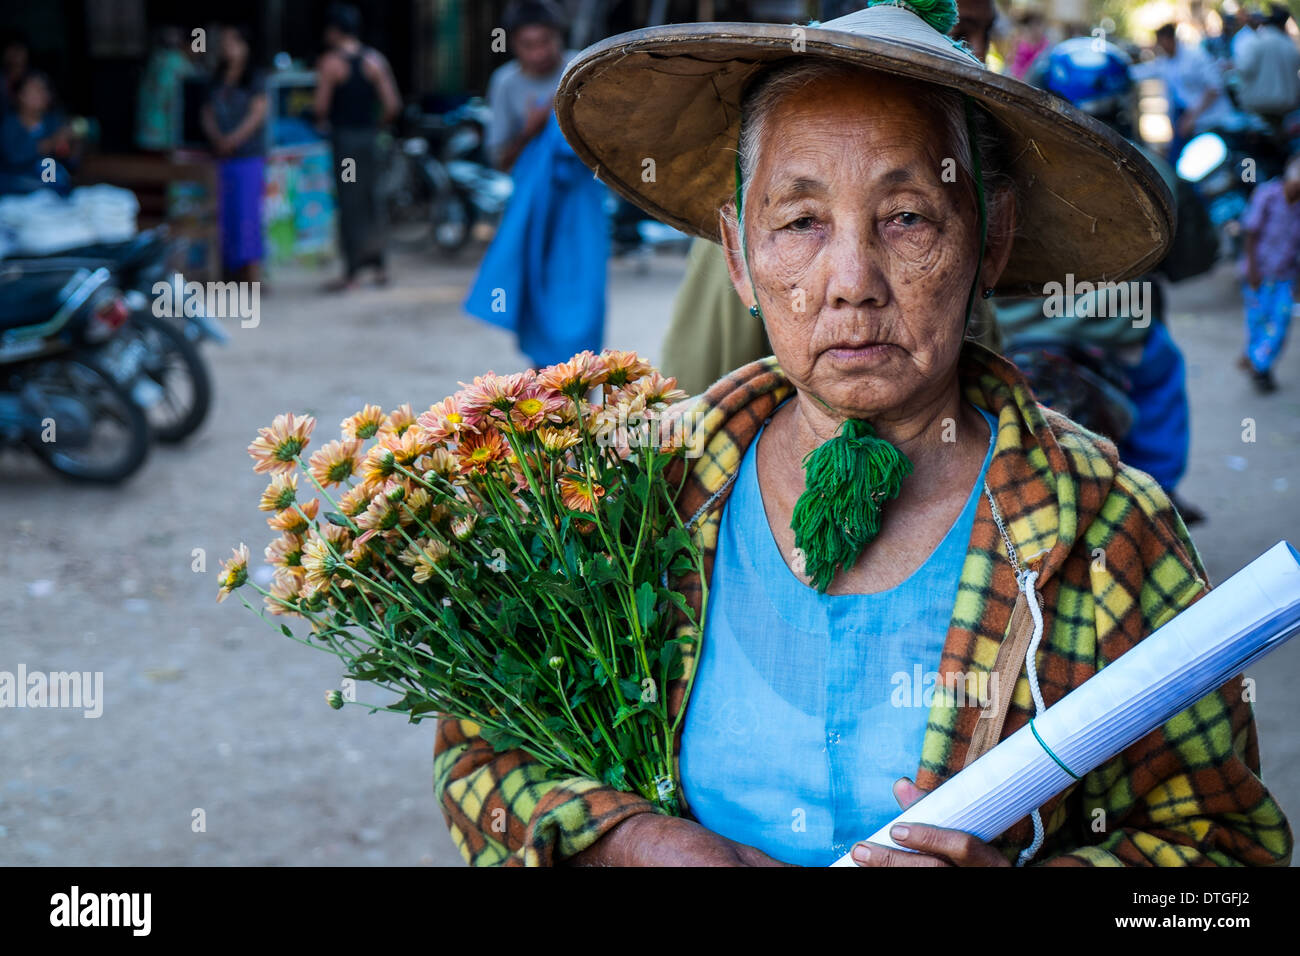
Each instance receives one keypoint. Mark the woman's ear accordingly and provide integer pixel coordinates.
(730, 232)
(1001, 236)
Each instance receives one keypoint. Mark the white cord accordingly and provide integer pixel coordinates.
(1027, 579)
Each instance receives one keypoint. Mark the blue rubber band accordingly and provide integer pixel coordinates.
(1034, 731)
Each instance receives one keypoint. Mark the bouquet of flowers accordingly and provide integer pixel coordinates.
(503, 558)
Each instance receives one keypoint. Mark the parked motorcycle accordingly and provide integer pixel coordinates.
(438, 183)
(156, 360)
(1216, 172)
(54, 399)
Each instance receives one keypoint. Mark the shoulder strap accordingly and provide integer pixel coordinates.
(1006, 669)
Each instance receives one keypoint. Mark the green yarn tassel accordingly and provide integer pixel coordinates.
(940, 14)
(847, 480)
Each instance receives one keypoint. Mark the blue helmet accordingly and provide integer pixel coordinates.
(1093, 75)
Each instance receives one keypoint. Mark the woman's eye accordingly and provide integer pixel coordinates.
(802, 224)
(908, 219)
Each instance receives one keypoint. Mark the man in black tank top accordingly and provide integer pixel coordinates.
(356, 96)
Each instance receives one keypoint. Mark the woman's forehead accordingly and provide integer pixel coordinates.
(810, 141)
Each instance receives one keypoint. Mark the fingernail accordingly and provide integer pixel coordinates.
(899, 832)
(861, 853)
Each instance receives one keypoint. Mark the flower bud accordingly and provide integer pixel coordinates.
(556, 663)
(334, 698)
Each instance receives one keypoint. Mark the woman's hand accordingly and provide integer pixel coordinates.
(935, 846)
(652, 839)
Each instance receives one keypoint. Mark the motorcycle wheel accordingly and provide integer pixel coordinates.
(453, 221)
(175, 364)
(109, 404)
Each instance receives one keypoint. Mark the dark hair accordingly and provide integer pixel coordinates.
(245, 78)
(530, 13)
(345, 18)
(30, 75)
(1168, 30)
(1278, 15)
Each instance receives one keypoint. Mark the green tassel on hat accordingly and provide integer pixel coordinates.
(940, 14)
(847, 480)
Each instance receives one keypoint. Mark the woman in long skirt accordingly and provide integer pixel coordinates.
(233, 120)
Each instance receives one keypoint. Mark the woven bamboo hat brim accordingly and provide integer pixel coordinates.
(1089, 204)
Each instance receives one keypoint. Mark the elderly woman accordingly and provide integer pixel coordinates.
(881, 500)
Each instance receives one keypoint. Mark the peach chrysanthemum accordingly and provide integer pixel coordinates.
(365, 423)
(490, 392)
(400, 420)
(537, 406)
(440, 461)
(355, 501)
(655, 389)
(424, 556)
(280, 493)
(408, 446)
(576, 376)
(234, 573)
(295, 520)
(320, 560)
(285, 551)
(276, 447)
(383, 514)
(285, 585)
(444, 420)
(380, 464)
(558, 440)
(336, 462)
(624, 367)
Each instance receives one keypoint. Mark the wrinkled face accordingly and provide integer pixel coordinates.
(861, 254)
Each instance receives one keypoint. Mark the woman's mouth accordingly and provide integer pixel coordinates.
(864, 353)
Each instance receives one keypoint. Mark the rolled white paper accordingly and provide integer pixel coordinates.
(1249, 615)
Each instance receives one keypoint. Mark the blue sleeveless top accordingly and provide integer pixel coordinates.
(807, 707)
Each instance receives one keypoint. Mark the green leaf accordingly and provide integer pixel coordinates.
(631, 689)
(645, 604)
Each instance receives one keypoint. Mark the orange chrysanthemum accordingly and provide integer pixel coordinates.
(479, 453)
(577, 495)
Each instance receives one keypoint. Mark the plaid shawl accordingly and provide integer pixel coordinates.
(1114, 562)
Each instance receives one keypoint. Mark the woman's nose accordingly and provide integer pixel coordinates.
(857, 279)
